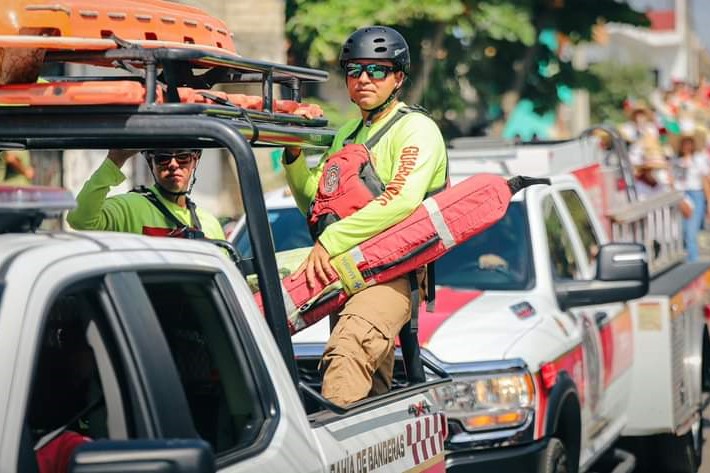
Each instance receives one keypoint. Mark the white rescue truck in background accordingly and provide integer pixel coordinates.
(638, 368)
(562, 353)
(558, 375)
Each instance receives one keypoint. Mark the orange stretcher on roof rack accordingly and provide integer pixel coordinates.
(126, 92)
(133, 20)
(29, 28)
(174, 53)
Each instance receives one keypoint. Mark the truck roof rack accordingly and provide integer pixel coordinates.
(167, 77)
(174, 53)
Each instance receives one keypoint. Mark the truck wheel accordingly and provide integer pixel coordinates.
(554, 459)
(705, 370)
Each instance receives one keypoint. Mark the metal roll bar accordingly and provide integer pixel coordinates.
(88, 129)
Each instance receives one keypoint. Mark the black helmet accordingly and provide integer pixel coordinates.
(377, 42)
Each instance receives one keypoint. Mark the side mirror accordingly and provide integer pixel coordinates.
(622, 262)
(622, 275)
(144, 456)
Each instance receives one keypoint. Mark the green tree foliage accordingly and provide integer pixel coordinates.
(620, 81)
(466, 54)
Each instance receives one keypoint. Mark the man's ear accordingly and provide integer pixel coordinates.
(399, 76)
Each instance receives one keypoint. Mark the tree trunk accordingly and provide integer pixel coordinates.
(427, 58)
(510, 99)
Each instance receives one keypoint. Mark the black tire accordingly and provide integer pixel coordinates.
(680, 454)
(554, 459)
(705, 370)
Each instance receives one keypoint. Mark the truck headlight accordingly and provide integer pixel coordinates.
(489, 401)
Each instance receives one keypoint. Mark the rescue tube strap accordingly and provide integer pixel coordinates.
(430, 286)
(153, 199)
(409, 338)
(401, 112)
(290, 306)
(437, 219)
(350, 276)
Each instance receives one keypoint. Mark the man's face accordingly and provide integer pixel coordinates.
(173, 168)
(366, 91)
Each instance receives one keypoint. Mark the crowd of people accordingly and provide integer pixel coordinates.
(667, 139)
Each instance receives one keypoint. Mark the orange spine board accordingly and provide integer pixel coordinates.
(74, 93)
(126, 92)
(130, 20)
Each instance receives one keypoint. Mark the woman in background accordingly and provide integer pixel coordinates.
(691, 175)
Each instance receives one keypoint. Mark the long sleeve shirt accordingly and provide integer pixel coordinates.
(411, 161)
(130, 212)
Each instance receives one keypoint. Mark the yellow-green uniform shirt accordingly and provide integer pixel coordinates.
(130, 212)
(411, 161)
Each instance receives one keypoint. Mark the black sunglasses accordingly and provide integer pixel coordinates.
(182, 158)
(374, 71)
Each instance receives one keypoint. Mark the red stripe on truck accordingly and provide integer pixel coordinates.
(448, 302)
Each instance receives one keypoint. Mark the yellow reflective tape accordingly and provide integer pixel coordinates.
(350, 276)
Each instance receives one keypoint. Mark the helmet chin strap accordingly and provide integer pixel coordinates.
(163, 190)
(373, 112)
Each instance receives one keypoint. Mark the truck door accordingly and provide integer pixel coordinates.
(236, 403)
(611, 321)
(155, 354)
(82, 374)
(565, 256)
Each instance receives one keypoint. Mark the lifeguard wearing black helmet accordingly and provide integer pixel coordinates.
(369, 196)
(377, 42)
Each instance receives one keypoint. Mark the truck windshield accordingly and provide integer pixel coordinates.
(288, 226)
(497, 259)
(500, 258)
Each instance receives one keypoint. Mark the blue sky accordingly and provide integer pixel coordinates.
(700, 13)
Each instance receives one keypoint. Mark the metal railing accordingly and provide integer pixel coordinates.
(657, 224)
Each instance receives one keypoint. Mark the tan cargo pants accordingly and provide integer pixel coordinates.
(358, 360)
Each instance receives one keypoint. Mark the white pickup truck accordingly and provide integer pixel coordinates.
(562, 364)
(121, 337)
(154, 348)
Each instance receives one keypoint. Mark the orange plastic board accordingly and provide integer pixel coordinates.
(124, 92)
(74, 93)
(131, 20)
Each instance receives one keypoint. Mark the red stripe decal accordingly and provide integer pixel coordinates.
(425, 452)
(448, 302)
(572, 363)
(409, 434)
(617, 346)
(156, 231)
